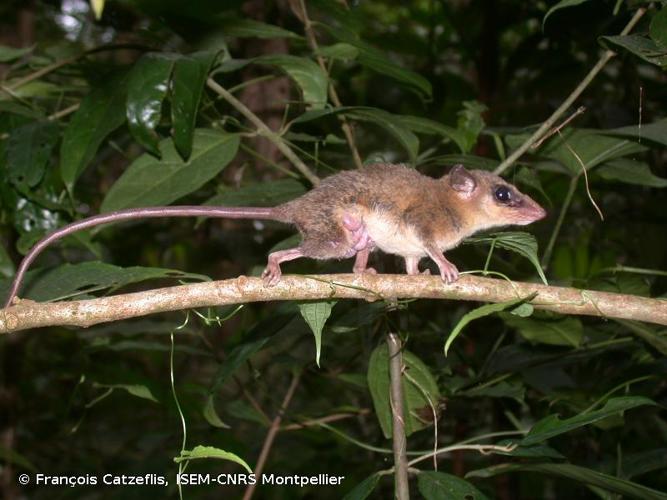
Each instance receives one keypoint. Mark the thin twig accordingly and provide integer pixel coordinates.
(333, 95)
(604, 59)
(264, 130)
(271, 435)
(399, 441)
(560, 127)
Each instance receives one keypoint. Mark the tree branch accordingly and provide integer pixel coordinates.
(399, 441)
(28, 314)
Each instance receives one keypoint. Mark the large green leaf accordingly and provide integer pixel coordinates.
(470, 123)
(425, 126)
(147, 87)
(376, 60)
(591, 147)
(101, 112)
(435, 485)
(658, 27)
(389, 123)
(655, 132)
(262, 194)
(9, 54)
(311, 79)
(71, 279)
(363, 490)
(238, 27)
(149, 181)
(200, 451)
(641, 46)
(581, 474)
(239, 355)
(519, 242)
(630, 172)
(480, 312)
(565, 331)
(316, 314)
(552, 425)
(28, 152)
(187, 84)
(420, 391)
(561, 5)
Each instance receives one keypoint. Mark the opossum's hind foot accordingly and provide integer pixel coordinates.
(272, 272)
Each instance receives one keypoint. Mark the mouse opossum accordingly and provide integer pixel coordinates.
(393, 208)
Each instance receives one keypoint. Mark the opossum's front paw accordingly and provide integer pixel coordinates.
(448, 271)
(364, 270)
(271, 275)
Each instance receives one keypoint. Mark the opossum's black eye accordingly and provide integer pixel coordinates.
(503, 194)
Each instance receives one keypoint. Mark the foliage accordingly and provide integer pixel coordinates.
(98, 115)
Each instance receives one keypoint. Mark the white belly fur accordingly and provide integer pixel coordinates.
(392, 237)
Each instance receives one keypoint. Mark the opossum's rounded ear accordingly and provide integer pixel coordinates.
(461, 180)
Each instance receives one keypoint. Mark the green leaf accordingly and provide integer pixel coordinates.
(441, 486)
(310, 78)
(658, 27)
(149, 181)
(503, 389)
(239, 355)
(237, 27)
(389, 123)
(480, 312)
(565, 331)
(363, 490)
(211, 452)
(341, 51)
(187, 84)
(534, 451)
(519, 242)
(636, 464)
(591, 147)
(470, 123)
(560, 5)
(420, 391)
(470, 161)
(425, 126)
(148, 84)
(7, 268)
(639, 45)
(315, 315)
(9, 54)
(377, 61)
(630, 172)
(211, 415)
(70, 279)
(655, 132)
(647, 334)
(551, 425)
(10, 456)
(581, 474)
(261, 194)
(105, 108)
(28, 152)
(138, 390)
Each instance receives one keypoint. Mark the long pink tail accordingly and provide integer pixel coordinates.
(134, 213)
